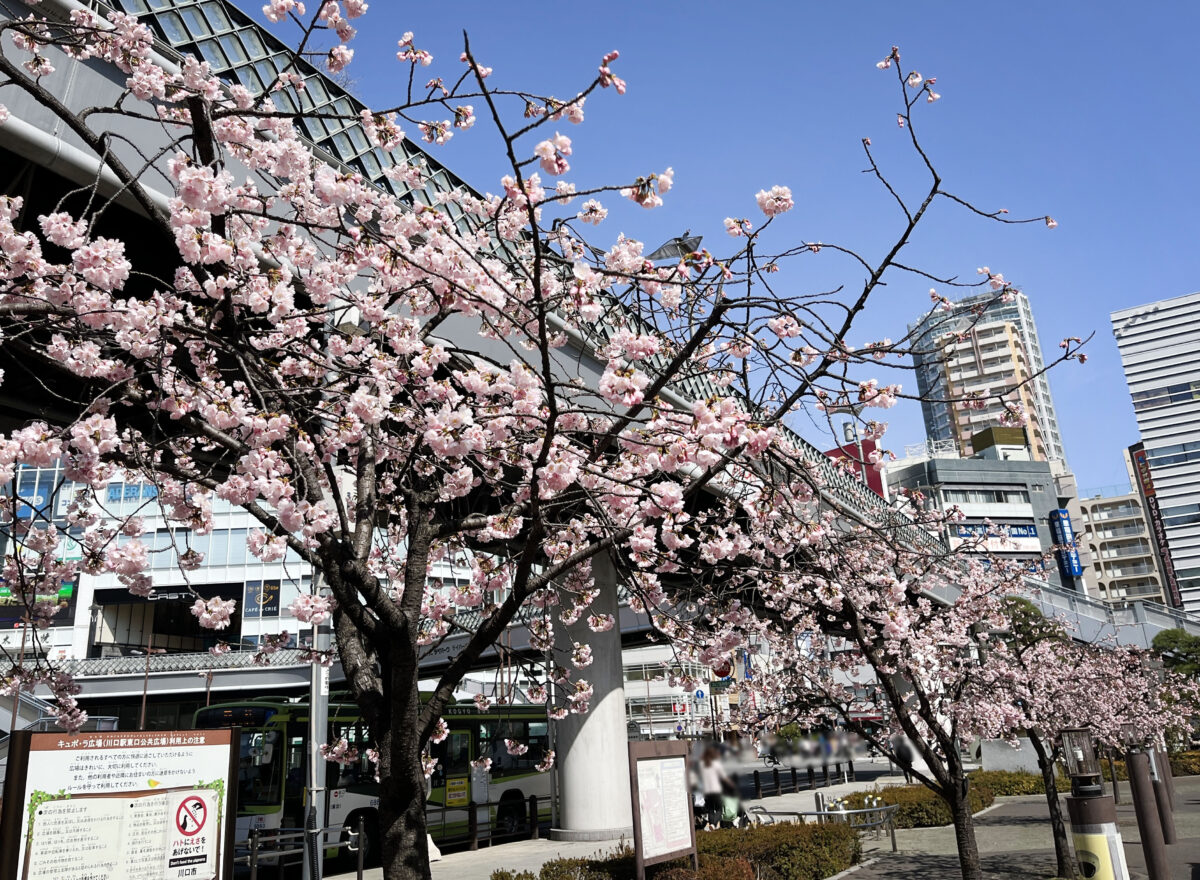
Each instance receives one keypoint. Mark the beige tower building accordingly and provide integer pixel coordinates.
(984, 347)
(1120, 538)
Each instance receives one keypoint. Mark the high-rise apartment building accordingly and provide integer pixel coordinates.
(1118, 534)
(1160, 351)
(987, 346)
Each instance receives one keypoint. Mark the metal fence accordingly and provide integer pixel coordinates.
(280, 848)
(872, 819)
(490, 822)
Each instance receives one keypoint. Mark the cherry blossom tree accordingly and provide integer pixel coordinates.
(385, 385)
(1037, 681)
(873, 622)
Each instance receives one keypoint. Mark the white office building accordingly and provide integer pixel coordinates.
(1160, 351)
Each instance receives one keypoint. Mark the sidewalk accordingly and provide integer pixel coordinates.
(530, 855)
(1014, 842)
(1013, 837)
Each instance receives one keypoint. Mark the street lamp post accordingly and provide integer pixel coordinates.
(1093, 814)
(150, 649)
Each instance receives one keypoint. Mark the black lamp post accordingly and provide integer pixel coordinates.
(1093, 814)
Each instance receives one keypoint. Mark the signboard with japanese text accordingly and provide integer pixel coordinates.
(1158, 529)
(663, 826)
(152, 805)
(1069, 564)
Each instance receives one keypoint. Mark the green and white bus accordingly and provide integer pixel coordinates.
(274, 747)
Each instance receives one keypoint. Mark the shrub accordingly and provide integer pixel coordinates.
(759, 852)
(569, 869)
(710, 869)
(1008, 783)
(919, 807)
(1182, 764)
(1185, 763)
(789, 851)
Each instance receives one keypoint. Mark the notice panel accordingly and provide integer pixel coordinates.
(663, 827)
(139, 806)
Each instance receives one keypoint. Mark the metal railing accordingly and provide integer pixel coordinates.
(511, 820)
(875, 819)
(278, 847)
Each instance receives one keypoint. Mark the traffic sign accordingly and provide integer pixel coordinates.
(699, 694)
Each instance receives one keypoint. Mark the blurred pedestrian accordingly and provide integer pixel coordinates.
(903, 753)
(713, 783)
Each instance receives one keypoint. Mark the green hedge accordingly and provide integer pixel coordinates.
(759, 852)
(1007, 783)
(1182, 764)
(919, 806)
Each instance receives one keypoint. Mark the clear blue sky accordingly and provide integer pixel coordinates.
(1086, 111)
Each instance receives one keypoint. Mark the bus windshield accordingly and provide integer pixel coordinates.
(260, 769)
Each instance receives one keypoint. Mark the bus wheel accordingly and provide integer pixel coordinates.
(510, 816)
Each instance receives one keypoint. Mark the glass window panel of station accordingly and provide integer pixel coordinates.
(216, 16)
(316, 87)
(196, 23)
(172, 27)
(213, 55)
(253, 43)
(233, 48)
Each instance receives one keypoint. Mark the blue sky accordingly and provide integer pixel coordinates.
(1082, 110)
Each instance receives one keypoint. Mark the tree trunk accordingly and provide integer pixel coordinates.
(402, 829)
(1062, 845)
(964, 831)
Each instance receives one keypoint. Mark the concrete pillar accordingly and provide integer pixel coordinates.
(593, 750)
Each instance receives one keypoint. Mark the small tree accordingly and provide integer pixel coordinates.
(1179, 650)
(885, 627)
(1037, 681)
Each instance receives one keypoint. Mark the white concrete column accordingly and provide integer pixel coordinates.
(593, 752)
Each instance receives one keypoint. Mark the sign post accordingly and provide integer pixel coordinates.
(138, 805)
(663, 825)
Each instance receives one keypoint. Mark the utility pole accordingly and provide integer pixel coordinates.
(318, 732)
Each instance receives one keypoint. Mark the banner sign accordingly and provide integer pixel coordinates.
(1069, 564)
(1141, 467)
(151, 805)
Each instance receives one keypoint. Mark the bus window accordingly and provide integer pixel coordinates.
(453, 757)
(534, 734)
(260, 769)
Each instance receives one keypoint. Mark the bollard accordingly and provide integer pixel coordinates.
(472, 826)
(778, 788)
(361, 831)
(812, 779)
(757, 786)
(850, 766)
(819, 799)
(253, 854)
(1166, 774)
(1149, 826)
(1112, 771)
(1162, 798)
(795, 781)
(533, 817)
(892, 828)
(837, 772)
(828, 778)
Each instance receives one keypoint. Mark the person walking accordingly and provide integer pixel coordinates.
(713, 783)
(904, 754)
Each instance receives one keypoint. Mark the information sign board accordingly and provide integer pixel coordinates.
(663, 826)
(151, 805)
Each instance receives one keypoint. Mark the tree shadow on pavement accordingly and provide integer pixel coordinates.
(1005, 866)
